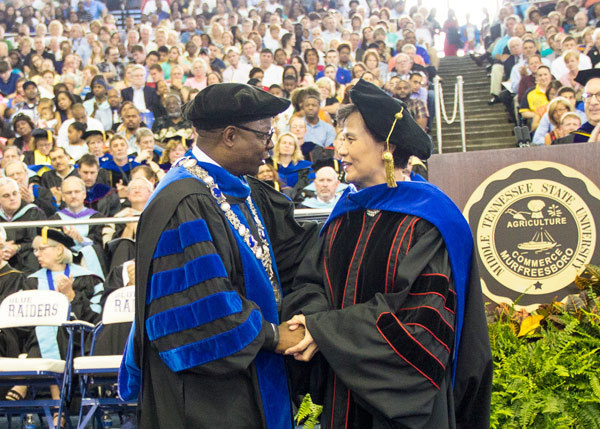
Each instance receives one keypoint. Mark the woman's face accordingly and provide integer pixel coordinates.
(36, 60)
(162, 87)
(46, 255)
(199, 70)
(265, 173)
(312, 57)
(287, 146)
(330, 73)
(49, 79)
(560, 110)
(177, 152)
(371, 62)
(297, 64)
(176, 74)
(368, 33)
(173, 55)
(23, 128)
(324, 89)
(212, 79)
(572, 64)
(358, 71)
(63, 101)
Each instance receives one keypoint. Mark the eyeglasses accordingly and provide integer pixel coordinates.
(39, 249)
(588, 96)
(267, 136)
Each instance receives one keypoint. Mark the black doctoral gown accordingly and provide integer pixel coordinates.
(380, 302)
(224, 390)
(102, 198)
(12, 340)
(51, 179)
(24, 260)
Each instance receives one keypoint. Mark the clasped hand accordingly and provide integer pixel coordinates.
(295, 340)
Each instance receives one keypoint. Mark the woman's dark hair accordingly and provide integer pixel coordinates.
(22, 117)
(60, 87)
(79, 126)
(285, 39)
(302, 66)
(253, 71)
(69, 96)
(290, 67)
(313, 50)
(400, 156)
(237, 35)
(555, 84)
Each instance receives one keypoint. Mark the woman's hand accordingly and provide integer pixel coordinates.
(305, 349)
(64, 285)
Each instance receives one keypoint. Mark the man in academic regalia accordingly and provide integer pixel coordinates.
(17, 249)
(99, 196)
(391, 300)
(591, 97)
(215, 252)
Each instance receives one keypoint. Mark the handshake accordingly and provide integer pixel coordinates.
(295, 340)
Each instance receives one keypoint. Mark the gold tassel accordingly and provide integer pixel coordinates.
(388, 158)
(45, 235)
(49, 133)
(277, 187)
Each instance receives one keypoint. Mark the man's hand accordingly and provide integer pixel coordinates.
(10, 250)
(72, 232)
(131, 273)
(594, 137)
(288, 338)
(27, 193)
(121, 189)
(305, 349)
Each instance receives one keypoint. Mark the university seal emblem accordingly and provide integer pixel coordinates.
(535, 229)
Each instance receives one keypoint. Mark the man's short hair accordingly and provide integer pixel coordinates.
(137, 48)
(74, 179)
(565, 89)
(8, 181)
(89, 160)
(266, 51)
(163, 49)
(57, 148)
(344, 45)
(4, 66)
(156, 67)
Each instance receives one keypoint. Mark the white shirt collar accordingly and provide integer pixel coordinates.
(202, 156)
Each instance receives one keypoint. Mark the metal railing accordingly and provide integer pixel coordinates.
(299, 214)
(440, 110)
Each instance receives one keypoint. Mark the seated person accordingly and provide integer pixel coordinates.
(146, 149)
(289, 162)
(62, 168)
(94, 139)
(87, 238)
(31, 193)
(99, 196)
(556, 109)
(17, 249)
(569, 122)
(119, 165)
(536, 97)
(76, 147)
(175, 148)
(119, 239)
(80, 286)
(326, 186)
(38, 159)
(268, 174)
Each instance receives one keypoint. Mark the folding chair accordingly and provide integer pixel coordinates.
(97, 371)
(37, 308)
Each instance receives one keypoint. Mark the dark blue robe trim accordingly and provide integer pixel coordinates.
(428, 202)
(416, 177)
(196, 271)
(187, 234)
(198, 313)
(289, 174)
(582, 135)
(130, 374)
(96, 192)
(112, 166)
(213, 348)
(272, 379)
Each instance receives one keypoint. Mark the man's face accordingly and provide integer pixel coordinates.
(332, 58)
(249, 49)
(213, 52)
(99, 90)
(529, 49)
(79, 115)
(543, 77)
(251, 148)
(114, 98)
(38, 44)
(118, 149)
(354, 40)
(311, 106)
(534, 64)
(59, 160)
(17, 172)
(402, 64)
(415, 83)
(138, 78)
(569, 45)
(570, 96)
(89, 174)
(361, 154)
(73, 195)
(298, 128)
(132, 119)
(344, 55)
(138, 57)
(173, 107)
(515, 48)
(31, 92)
(403, 89)
(266, 59)
(10, 198)
(151, 60)
(138, 191)
(592, 105)
(409, 37)
(233, 58)
(326, 183)
(156, 75)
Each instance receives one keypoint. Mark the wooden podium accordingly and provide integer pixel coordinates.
(534, 213)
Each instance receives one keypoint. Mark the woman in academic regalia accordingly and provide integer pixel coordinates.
(80, 286)
(289, 162)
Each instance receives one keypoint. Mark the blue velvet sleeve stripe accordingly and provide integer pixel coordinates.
(214, 348)
(196, 271)
(192, 315)
(175, 240)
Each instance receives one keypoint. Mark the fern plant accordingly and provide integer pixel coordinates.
(550, 376)
(308, 413)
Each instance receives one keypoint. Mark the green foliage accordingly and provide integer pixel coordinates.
(309, 413)
(549, 378)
